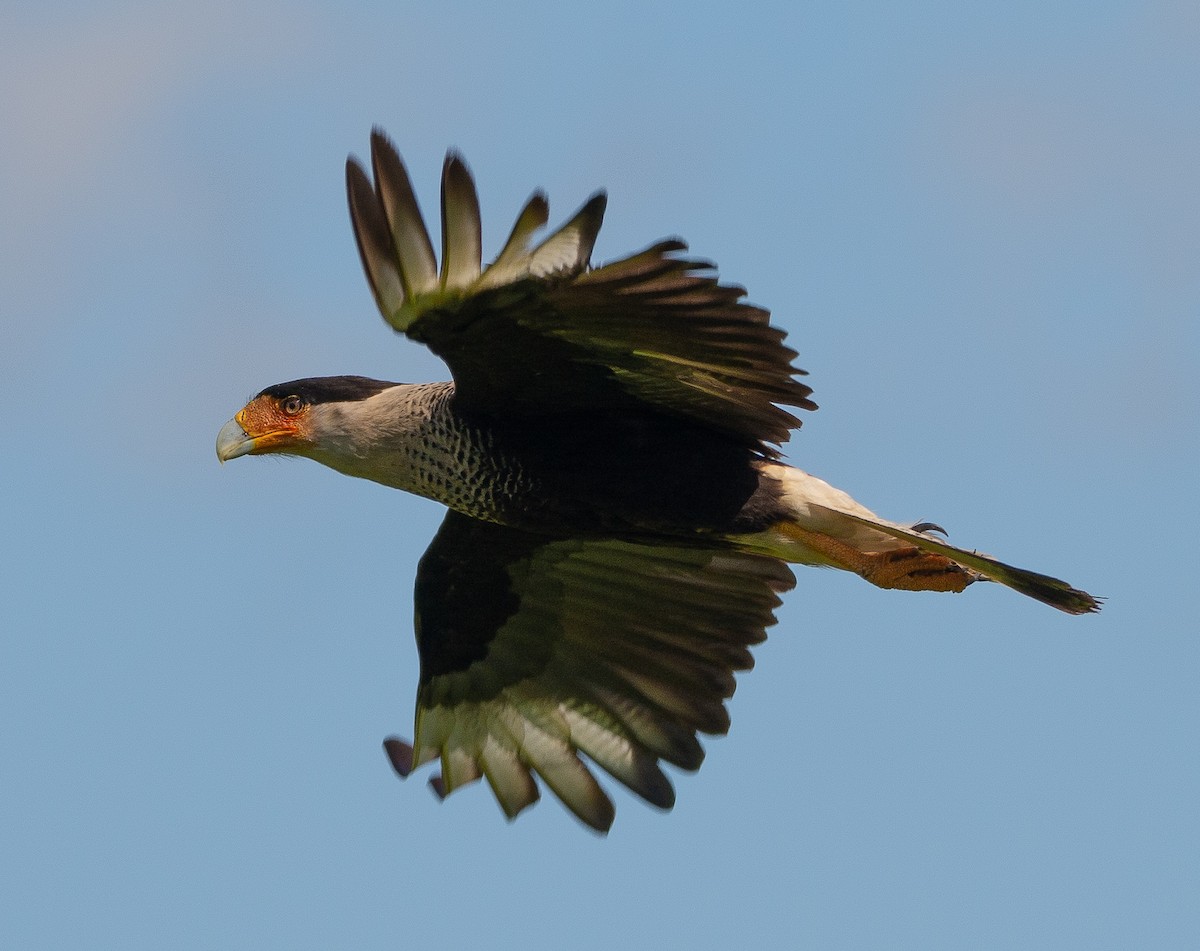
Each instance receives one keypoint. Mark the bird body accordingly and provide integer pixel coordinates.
(619, 472)
(620, 520)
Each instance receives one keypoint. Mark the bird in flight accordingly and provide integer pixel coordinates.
(619, 521)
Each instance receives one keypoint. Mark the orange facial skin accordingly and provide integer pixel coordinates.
(274, 425)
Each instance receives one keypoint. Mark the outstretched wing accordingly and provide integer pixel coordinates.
(536, 649)
(538, 332)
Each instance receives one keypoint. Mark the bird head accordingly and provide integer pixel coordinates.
(288, 418)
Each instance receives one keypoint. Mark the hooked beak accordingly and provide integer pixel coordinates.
(233, 441)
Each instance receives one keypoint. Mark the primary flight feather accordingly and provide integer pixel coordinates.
(619, 522)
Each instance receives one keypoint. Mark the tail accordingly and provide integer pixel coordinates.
(825, 526)
(1048, 590)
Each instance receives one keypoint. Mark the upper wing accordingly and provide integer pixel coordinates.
(536, 649)
(538, 331)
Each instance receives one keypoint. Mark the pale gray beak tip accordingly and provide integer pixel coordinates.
(232, 441)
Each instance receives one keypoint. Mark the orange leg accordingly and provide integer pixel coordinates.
(911, 569)
(906, 569)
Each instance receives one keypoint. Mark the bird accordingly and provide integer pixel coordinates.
(620, 521)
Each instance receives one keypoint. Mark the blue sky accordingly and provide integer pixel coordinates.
(980, 224)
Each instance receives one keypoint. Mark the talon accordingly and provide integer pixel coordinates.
(930, 527)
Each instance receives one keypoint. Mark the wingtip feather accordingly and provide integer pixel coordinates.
(461, 228)
(410, 237)
(569, 249)
(512, 263)
(400, 755)
(510, 779)
(373, 238)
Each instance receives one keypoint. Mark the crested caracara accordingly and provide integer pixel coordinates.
(620, 522)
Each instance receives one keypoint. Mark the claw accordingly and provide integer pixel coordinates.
(930, 527)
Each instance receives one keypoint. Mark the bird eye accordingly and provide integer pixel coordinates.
(293, 405)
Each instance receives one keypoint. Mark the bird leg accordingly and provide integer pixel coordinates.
(910, 569)
(906, 569)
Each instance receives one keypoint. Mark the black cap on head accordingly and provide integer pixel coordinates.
(328, 389)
